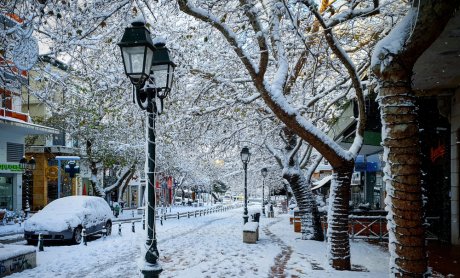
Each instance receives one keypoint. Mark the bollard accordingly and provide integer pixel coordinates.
(200, 212)
(132, 227)
(119, 229)
(161, 220)
(83, 235)
(104, 232)
(164, 216)
(178, 217)
(188, 214)
(195, 213)
(132, 213)
(143, 221)
(40, 242)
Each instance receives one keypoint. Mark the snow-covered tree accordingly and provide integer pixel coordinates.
(392, 63)
(265, 36)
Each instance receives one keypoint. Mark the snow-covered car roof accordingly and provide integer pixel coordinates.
(71, 203)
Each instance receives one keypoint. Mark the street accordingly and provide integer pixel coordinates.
(207, 246)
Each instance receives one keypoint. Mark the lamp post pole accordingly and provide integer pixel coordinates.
(245, 157)
(245, 216)
(28, 167)
(152, 253)
(150, 70)
(264, 174)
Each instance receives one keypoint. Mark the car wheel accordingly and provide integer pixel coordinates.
(77, 235)
(108, 228)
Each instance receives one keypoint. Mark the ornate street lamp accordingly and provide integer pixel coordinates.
(245, 157)
(264, 174)
(28, 167)
(150, 69)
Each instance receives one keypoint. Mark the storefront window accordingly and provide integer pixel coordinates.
(6, 192)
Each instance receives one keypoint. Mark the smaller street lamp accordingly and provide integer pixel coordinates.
(27, 167)
(264, 174)
(245, 158)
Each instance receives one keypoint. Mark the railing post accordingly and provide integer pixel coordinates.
(352, 228)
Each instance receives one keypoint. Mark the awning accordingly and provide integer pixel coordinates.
(321, 183)
(12, 125)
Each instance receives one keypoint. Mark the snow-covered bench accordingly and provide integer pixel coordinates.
(251, 232)
(16, 258)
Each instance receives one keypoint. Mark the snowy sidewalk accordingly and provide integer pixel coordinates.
(208, 246)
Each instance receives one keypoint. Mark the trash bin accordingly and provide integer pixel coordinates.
(256, 217)
(295, 217)
(297, 225)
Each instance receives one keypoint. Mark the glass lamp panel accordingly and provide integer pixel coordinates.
(32, 164)
(264, 172)
(23, 163)
(244, 157)
(160, 72)
(134, 61)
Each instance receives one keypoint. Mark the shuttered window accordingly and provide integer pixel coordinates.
(14, 152)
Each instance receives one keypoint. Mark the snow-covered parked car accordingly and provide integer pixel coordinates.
(63, 219)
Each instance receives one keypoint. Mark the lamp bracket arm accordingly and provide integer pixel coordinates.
(142, 104)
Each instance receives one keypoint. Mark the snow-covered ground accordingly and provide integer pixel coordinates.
(207, 246)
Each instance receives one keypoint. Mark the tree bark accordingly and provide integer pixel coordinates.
(308, 209)
(402, 178)
(337, 218)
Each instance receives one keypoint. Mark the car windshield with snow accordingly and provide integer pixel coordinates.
(63, 219)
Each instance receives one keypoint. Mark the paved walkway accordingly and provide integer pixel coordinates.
(281, 260)
(444, 258)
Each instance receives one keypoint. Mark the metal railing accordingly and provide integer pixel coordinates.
(186, 214)
(374, 227)
(195, 213)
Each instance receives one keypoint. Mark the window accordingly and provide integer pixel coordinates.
(14, 152)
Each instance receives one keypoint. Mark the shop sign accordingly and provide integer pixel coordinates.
(10, 167)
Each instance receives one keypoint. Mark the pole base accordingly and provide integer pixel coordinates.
(149, 270)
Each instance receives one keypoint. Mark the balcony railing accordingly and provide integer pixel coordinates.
(5, 112)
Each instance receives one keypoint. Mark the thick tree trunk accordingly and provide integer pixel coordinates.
(402, 177)
(338, 242)
(392, 63)
(308, 210)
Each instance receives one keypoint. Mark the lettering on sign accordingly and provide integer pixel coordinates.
(437, 152)
(10, 167)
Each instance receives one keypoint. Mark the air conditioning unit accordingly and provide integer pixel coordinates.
(356, 178)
